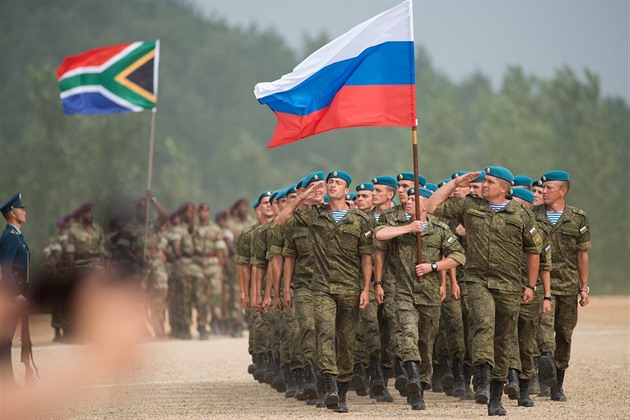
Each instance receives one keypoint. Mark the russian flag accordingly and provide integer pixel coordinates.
(366, 77)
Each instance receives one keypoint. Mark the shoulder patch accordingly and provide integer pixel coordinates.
(450, 239)
(583, 230)
(368, 234)
(532, 231)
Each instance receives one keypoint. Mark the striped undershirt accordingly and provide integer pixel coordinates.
(497, 207)
(338, 214)
(554, 216)
(376, 216)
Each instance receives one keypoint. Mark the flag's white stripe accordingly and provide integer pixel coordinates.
(391, 25)
(156, 65)
(105, 65)
(106, 93)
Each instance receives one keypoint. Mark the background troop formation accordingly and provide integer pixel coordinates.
(338, 300)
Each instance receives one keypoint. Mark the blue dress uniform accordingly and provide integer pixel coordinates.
(14, 264)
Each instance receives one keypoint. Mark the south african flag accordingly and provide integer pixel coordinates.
(106, 80)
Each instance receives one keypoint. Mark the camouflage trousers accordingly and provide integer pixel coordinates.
(336, 318)
(449, 342)
(231, 310)
(261, 331)
(157, 296)
(368, 337)
(493, 319)
(289, 334)
(557, 328)
(305, 345)
(419, 326)
(463, 287)
(523, 345)
(275, 324)
(207, 292)
(389, 331)
(180, 298)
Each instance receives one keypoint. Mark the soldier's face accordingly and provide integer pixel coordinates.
(538, 195)
(19, 214)
(204, 214)
(336, 188)
(87, 216)
(382, 195)
(291, 198)
(265, 207)
(410, 205)
(553, 191)
(320, 190)
(460, 192)
(282, 203)
(493, 188)
(364, 200)
(351, 203)
(475, 189)
(403, 186)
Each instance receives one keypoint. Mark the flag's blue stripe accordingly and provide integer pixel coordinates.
(390, 63)
(91, 103)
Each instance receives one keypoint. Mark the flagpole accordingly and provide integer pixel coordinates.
(149, 177)
(416, 189)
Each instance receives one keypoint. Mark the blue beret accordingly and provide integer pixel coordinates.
(12, 203)
(522, 180)
(274, 195)
(325, 199)
(350, 196)
(555, 176)
(480, 178)
(388, 181)
(408, 176)
(537, 183)
(422, 192)
(282, 194)
(291, 189)
(444, 181)
(523, 194)
(312, 177)
(340, 174)
(298, 185)
(458, 174)
(501, 173)
(431, 187)
(366, 186)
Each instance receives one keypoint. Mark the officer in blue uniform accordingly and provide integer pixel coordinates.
(14, 263)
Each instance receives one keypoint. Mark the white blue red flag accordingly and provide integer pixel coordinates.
(366, 77)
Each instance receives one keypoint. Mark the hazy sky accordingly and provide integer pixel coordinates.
(467, 35)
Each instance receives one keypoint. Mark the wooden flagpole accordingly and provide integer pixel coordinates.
(416, 189)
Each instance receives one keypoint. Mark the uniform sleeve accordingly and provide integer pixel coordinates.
(259, 249)
(451, 248)
(532, 241)
(7, 256)
(276, 242)
(70, 242)
(451, 208)
(289, 249)
(366, 241)
(243, 249)
(383, 220)
(545, 256)
(584, 240)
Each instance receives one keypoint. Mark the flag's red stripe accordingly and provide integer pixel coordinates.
(353, 106)
(94, 57)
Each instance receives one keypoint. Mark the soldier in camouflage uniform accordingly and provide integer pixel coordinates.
(419, 300)
(524, 343)
(498, 231)
(385, 285)
(343, 248)
(209, 256)
(85, 251)
(568, 230)
(53, 253)
(298, 272)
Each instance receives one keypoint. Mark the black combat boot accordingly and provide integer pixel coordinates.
(401, 378)
(447, 376)
(482, 394)
(290, 383)
(512, 389)
(545, 391)
(279, 382)
(299, 381)
(377, 380)
(269, 374)
(436, 378)
(310, 383)
(534, 386)
(261, 367)
(557, 393)
(331, 398)
(385, 396)
(495, 408)
(321, 393)
(413, 381)
(468, 394)
(523, 396)
(416, 400)
(342, 407)
(459, 389)
(252, 366)
(359, 380)
(547, 370)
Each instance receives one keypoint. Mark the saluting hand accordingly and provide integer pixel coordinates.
(464, 180)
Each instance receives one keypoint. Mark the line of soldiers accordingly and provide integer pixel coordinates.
(179, 261)
(336, 299)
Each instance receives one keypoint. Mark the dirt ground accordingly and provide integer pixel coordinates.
(208, 379)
